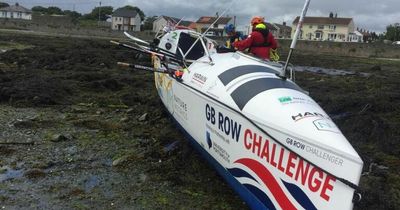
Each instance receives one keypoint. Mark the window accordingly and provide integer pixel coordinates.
(332, 27)
(185, 42)
(310, 26)
(318, 35)
(320, 26)
(332, 36)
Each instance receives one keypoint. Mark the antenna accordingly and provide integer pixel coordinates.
(294, 41)
(202, 35)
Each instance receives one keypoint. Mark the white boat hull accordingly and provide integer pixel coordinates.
(266, 167)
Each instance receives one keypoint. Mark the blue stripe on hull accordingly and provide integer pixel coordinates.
(250, 199)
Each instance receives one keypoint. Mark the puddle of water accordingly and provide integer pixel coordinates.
(10, 173)
(332, 72)
(339, 115)
(91, 183)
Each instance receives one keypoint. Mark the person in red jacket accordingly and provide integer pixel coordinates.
(260, 41)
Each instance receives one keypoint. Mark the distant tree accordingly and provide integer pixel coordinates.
(141, 14)
(104, 13)
(148, 23)
(48, 11)
(73, 15)
(39, 9)
(393, 32)
(54, 11)
(3, 4)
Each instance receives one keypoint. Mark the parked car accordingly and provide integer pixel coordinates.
(210, 33)
(396, 43)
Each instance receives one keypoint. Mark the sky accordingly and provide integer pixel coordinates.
(372, 15)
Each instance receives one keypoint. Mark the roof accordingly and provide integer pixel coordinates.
(271, 27)
(15, 8)
(283, 27)
(176, 20)
(210, 20)
(124, 12)
(324, 20)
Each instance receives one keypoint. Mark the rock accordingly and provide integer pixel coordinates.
(77, 109)
(100, 111)
(376, 68)
(3, 170)
(59, 138)
(120, 161)
(142, 177)
(143, 117)
(130, 111)
(34, 173)
(24, 123)
(71, 150)
(124, 119)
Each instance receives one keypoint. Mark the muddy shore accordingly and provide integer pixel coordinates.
(79, 132)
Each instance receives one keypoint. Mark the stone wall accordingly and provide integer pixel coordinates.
(65, 26)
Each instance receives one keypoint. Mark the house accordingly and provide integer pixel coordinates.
(16, 12)
(163, 21)
(283, 31)
(203, 23)
(356, 36)
(124, 19)
(330, 28)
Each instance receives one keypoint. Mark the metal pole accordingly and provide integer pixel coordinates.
(296, 34)
(99, 13)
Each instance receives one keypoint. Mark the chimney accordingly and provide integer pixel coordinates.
(234, 20)
(335, 15)
(16, 4)
(331, 14)
(216, 14)
(284, 23)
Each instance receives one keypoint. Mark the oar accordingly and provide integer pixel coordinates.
(141, 67)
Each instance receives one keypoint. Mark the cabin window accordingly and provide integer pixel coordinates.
(185, 42)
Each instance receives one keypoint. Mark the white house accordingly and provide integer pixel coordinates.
(356, 36)
(124, 19)
(163, 21)
(16, 12)
(330, 28)
(217, 28)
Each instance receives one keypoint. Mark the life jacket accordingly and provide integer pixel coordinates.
(265, 33)
(236, 37)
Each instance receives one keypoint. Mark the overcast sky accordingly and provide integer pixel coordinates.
(369, 14)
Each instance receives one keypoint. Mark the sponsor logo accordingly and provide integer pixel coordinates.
(221, 152)
(285, 99)
(223, 123)
(304, 115)
(315, 152)
(199, 78)
(295, 100)
(295, 143)
(209, 141)
(180, 107)
(326, 125)
(290, 164)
